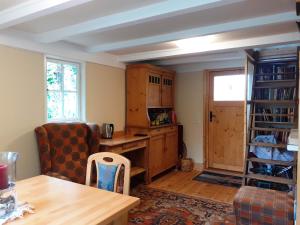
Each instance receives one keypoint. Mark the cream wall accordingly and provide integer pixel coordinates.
(189, 103)
(22, 98)
(22, 105)
(105, 95)
(189, 110)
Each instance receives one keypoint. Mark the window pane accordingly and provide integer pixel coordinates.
(70, 105)
(54, 76)
(63, 92)
(229, 88)
(70, 77)
(54, 107)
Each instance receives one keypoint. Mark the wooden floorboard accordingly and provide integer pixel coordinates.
(183, 183)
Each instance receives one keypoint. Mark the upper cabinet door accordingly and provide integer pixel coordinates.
(154, 90)
(167, 91)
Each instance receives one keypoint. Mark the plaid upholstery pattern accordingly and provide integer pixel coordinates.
(254, 205)
(65, 147)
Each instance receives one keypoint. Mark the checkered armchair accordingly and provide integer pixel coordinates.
(65, 147)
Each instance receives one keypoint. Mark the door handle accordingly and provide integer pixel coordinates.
(211, 116)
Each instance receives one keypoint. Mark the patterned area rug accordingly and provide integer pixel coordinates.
(166, 208)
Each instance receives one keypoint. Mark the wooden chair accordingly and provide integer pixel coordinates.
(108, 158)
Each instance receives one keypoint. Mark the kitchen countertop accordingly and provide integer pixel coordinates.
(122, 140)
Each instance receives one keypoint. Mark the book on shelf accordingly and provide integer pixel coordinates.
(277, 71)
(276, 93)
(293, 140)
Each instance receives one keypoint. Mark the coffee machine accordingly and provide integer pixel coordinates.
(107, 130)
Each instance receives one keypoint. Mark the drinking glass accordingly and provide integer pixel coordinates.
(8, 196)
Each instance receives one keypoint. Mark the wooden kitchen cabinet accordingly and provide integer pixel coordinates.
(154, 97)
(163, 149)
(167, 91)
(156, 154)
(170, 151)
(147, 86)
(149, 99)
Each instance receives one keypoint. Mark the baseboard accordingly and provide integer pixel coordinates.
(198, 166)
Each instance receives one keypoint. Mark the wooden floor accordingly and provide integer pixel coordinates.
(183, 183)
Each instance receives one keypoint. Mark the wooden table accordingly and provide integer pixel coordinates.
(58, 201)
(135, 148)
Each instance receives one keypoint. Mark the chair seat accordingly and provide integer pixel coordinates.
(254, 205)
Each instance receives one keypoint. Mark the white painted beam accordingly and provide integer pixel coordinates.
(33, 9)
(235, 55)
(293, 37)
(200, 31)
(64, 50)
(144, 14)
(196, 67)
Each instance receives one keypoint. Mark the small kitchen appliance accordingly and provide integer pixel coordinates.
(107, 130)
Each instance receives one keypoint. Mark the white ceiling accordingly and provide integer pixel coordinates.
(135, 30)
(9, 3)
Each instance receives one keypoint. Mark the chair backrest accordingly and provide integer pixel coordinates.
(65, 147)
(110, 159)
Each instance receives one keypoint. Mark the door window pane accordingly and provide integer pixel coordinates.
(229, 88)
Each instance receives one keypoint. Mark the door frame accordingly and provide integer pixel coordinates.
(206, 94)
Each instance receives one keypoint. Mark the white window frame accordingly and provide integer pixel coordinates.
(80, 90)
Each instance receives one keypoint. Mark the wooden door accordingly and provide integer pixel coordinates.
(226, 115)
(171, 150)
(167, 91)
(154, 90)
(156, 154)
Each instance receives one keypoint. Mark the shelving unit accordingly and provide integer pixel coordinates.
(272, 111)
(135, 170)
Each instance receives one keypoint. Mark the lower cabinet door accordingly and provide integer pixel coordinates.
(171, 150)
(156, 154)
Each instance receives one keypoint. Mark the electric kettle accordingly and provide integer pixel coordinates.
(107, 130)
